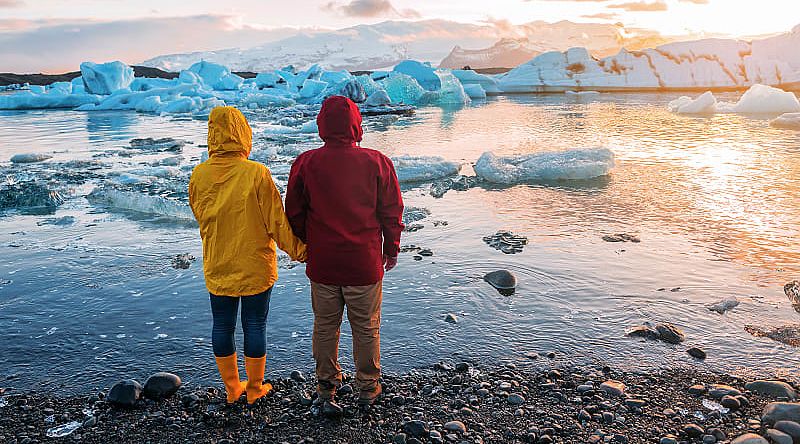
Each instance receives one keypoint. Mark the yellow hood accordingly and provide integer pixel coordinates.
(229, 134)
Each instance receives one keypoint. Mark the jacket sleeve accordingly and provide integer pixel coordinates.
(269, 199)
(390, 208)
(296, 202)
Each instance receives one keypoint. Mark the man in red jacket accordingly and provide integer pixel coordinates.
(344, 202)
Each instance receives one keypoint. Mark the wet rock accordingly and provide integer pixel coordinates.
(775, 389)
(696, 353)
(693, 430)
(780, 411)
(792, 290)
(670, 334)
(29, 195)
(460, 183)
(166, 144)
(507, 242)
(790, 428)
(621, 237)
(332, 409)
(724, 305)
(516, 399)
(503, 281)
(426, 252)
(451, 318)
(750, 438)
(669, 440)
(709, 439)
(613, 388)
(182, 261)
(30, 158)
(643, 331)
(779, 437)
(297, 376)
(785, 334)
(125, 393)
(718, 391)
(697, 389)
(416, 428)
(161, 385)
(415, 214)
(729, 402)
(455, 426)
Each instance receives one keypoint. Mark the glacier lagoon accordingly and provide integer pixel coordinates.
(88, 293)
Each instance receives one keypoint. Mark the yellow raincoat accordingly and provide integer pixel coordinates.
(239, 210)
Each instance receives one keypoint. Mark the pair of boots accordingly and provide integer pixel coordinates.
(254, 386)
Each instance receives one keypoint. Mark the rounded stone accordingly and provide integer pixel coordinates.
(777, 389)
(750, 438)
(670, 333)
(697, 353)
(456, 426)
(613, 388)
(779, 437)
(161, 385)
(729, 402)
(790, 428)
(693, 430)
(416, 428)
(297, 376)
(780, 411)
(502, 280)
(125, 393)
(516, 399)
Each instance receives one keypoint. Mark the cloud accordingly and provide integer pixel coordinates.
(642, 6)
(602, 16)
(369, 8)
(696, 2)
(60, 46)
(11, 3)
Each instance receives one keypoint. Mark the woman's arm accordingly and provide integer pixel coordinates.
(275, 219)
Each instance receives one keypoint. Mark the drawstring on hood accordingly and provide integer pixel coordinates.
(339, 121)
(229, 134)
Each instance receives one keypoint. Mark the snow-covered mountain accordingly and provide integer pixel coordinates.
(382, 45)
(537, 37)
(362, 47)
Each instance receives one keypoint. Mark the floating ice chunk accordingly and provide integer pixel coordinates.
(565, 165)
(215, 76)
(267, 98)
(787, 121)
(146, 84)
(230, 82)
(63, 430)
(762, 99)
(161, 172)
(106, 78)
(150, 104)
(423, 168)
(31, 100)
(470, 77)
(402, 88)
(369, 85)
(421, 72)
(353, 90)
(724, 305)
(130, 179)
(451, 92)
(28, 195)
(60, 88)
(705, 104)
(279, 129)
(158, 145)
(310, 127)
(475, 91)
(267, 80)
(333, 77)
(582, 93)
(30, 158)
(122, 100)
(312, 88)
(378, 98)
(140, 203)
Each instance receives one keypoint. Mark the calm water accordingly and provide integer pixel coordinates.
(714, 201)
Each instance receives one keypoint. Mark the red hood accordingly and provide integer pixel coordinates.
(339, 121)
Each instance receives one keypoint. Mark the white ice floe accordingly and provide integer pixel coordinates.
(582, 94)
(310, 127)
(30, 158)
(312, 88)
(579, 164)
(106, 78)
(423, 168)
(787, 121)
(762, 99)
(271, 129)
(705, 104)
(378, 98)
(46, 100)
(140, 203)
(470, 77)
(215, 76)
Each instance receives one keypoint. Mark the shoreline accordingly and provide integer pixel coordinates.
(448, 403)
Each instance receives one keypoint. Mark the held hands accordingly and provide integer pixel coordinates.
(389, 262)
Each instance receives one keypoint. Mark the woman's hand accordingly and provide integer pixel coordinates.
(389, 262)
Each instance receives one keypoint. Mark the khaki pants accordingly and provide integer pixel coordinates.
(364, 312)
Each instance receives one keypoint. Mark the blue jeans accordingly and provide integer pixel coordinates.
(254, 324)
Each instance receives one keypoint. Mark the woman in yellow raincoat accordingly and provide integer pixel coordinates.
(241, 217)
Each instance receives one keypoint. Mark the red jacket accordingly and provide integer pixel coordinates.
(344, 202)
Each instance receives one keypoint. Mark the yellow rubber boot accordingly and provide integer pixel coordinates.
(229, 370)
(256, 389)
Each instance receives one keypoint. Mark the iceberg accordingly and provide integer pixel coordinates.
(762, 99)
(370, 86)
(378, 98)
(451, 92)
(402, 88)
(140, 203)
(787, 121)
(312, 88)
(353, 90)
(423, 168)
(705, 104)
(104, 79)
(581, 164)
(470, 77)
(30, 158)
(146, 84)
(421, 72)
(267, 80)
(214, 76)
(475, 91)
(47, 100)
(310, 127)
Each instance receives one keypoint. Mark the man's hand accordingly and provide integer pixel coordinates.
(389, 262)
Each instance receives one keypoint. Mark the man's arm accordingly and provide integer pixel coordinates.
(390, 211)
(275, 219)
(296, 201)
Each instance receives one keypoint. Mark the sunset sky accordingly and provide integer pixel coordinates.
(39, 25)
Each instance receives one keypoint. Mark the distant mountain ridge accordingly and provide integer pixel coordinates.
(383, 45)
